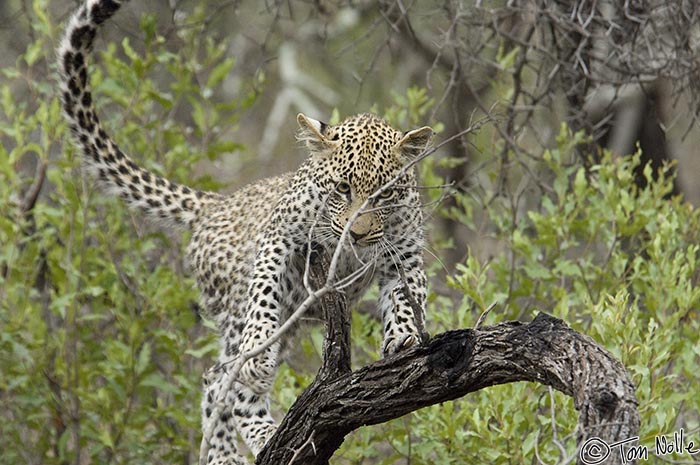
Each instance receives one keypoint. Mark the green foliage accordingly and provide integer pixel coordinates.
(410, 110)
(100, 350)
(616, 262)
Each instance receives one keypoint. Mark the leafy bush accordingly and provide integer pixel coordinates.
(100, 351)
(614, 261)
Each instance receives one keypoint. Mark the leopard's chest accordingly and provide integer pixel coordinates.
(353, 274)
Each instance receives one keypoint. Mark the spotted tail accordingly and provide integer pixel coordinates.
(115, 171)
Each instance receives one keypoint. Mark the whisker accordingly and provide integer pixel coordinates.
(354, 276)
(422, 247)
(426, 187)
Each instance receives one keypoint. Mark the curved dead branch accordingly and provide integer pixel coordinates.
(449, 366)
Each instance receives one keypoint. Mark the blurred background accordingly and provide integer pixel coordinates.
(564, 181)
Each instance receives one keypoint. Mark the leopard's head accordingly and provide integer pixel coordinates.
(353, 162)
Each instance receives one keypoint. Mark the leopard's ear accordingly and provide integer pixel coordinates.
(415, 142)
(313, 134)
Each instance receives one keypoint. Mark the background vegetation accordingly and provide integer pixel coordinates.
(101, 346)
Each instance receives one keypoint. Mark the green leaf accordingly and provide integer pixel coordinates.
(219, 72)
(34, 52)
(157, 381)
(106, 438)
(144, 359)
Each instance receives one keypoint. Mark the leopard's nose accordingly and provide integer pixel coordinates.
(358, 236)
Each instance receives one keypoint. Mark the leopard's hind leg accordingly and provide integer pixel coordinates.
(217, 420)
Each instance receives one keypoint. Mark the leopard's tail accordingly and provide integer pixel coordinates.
(115, 171)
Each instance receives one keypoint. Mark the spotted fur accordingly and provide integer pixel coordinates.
(248, 250)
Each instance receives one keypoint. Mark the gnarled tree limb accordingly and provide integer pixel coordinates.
(448, 366)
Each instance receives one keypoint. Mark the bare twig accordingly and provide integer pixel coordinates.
(297, 452)
(483, 315)
(32, 194)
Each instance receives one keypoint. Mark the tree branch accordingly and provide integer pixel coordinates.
(449, 366)
(336, 345)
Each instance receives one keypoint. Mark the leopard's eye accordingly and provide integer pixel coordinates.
(343, 187)
(386, 193)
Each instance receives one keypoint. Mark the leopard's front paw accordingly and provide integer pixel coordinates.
(394, 344)
(258, 374)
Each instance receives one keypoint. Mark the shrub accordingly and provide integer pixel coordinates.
(100, 351)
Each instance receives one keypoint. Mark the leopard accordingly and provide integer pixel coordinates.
(356, 195)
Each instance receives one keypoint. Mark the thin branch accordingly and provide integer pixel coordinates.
(32, 194)
(309, 442)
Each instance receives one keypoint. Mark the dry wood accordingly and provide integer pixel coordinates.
(449, 366)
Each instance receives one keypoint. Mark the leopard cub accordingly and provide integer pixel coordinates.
(247, 250)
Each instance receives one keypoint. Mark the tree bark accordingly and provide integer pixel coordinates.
(451, 365)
